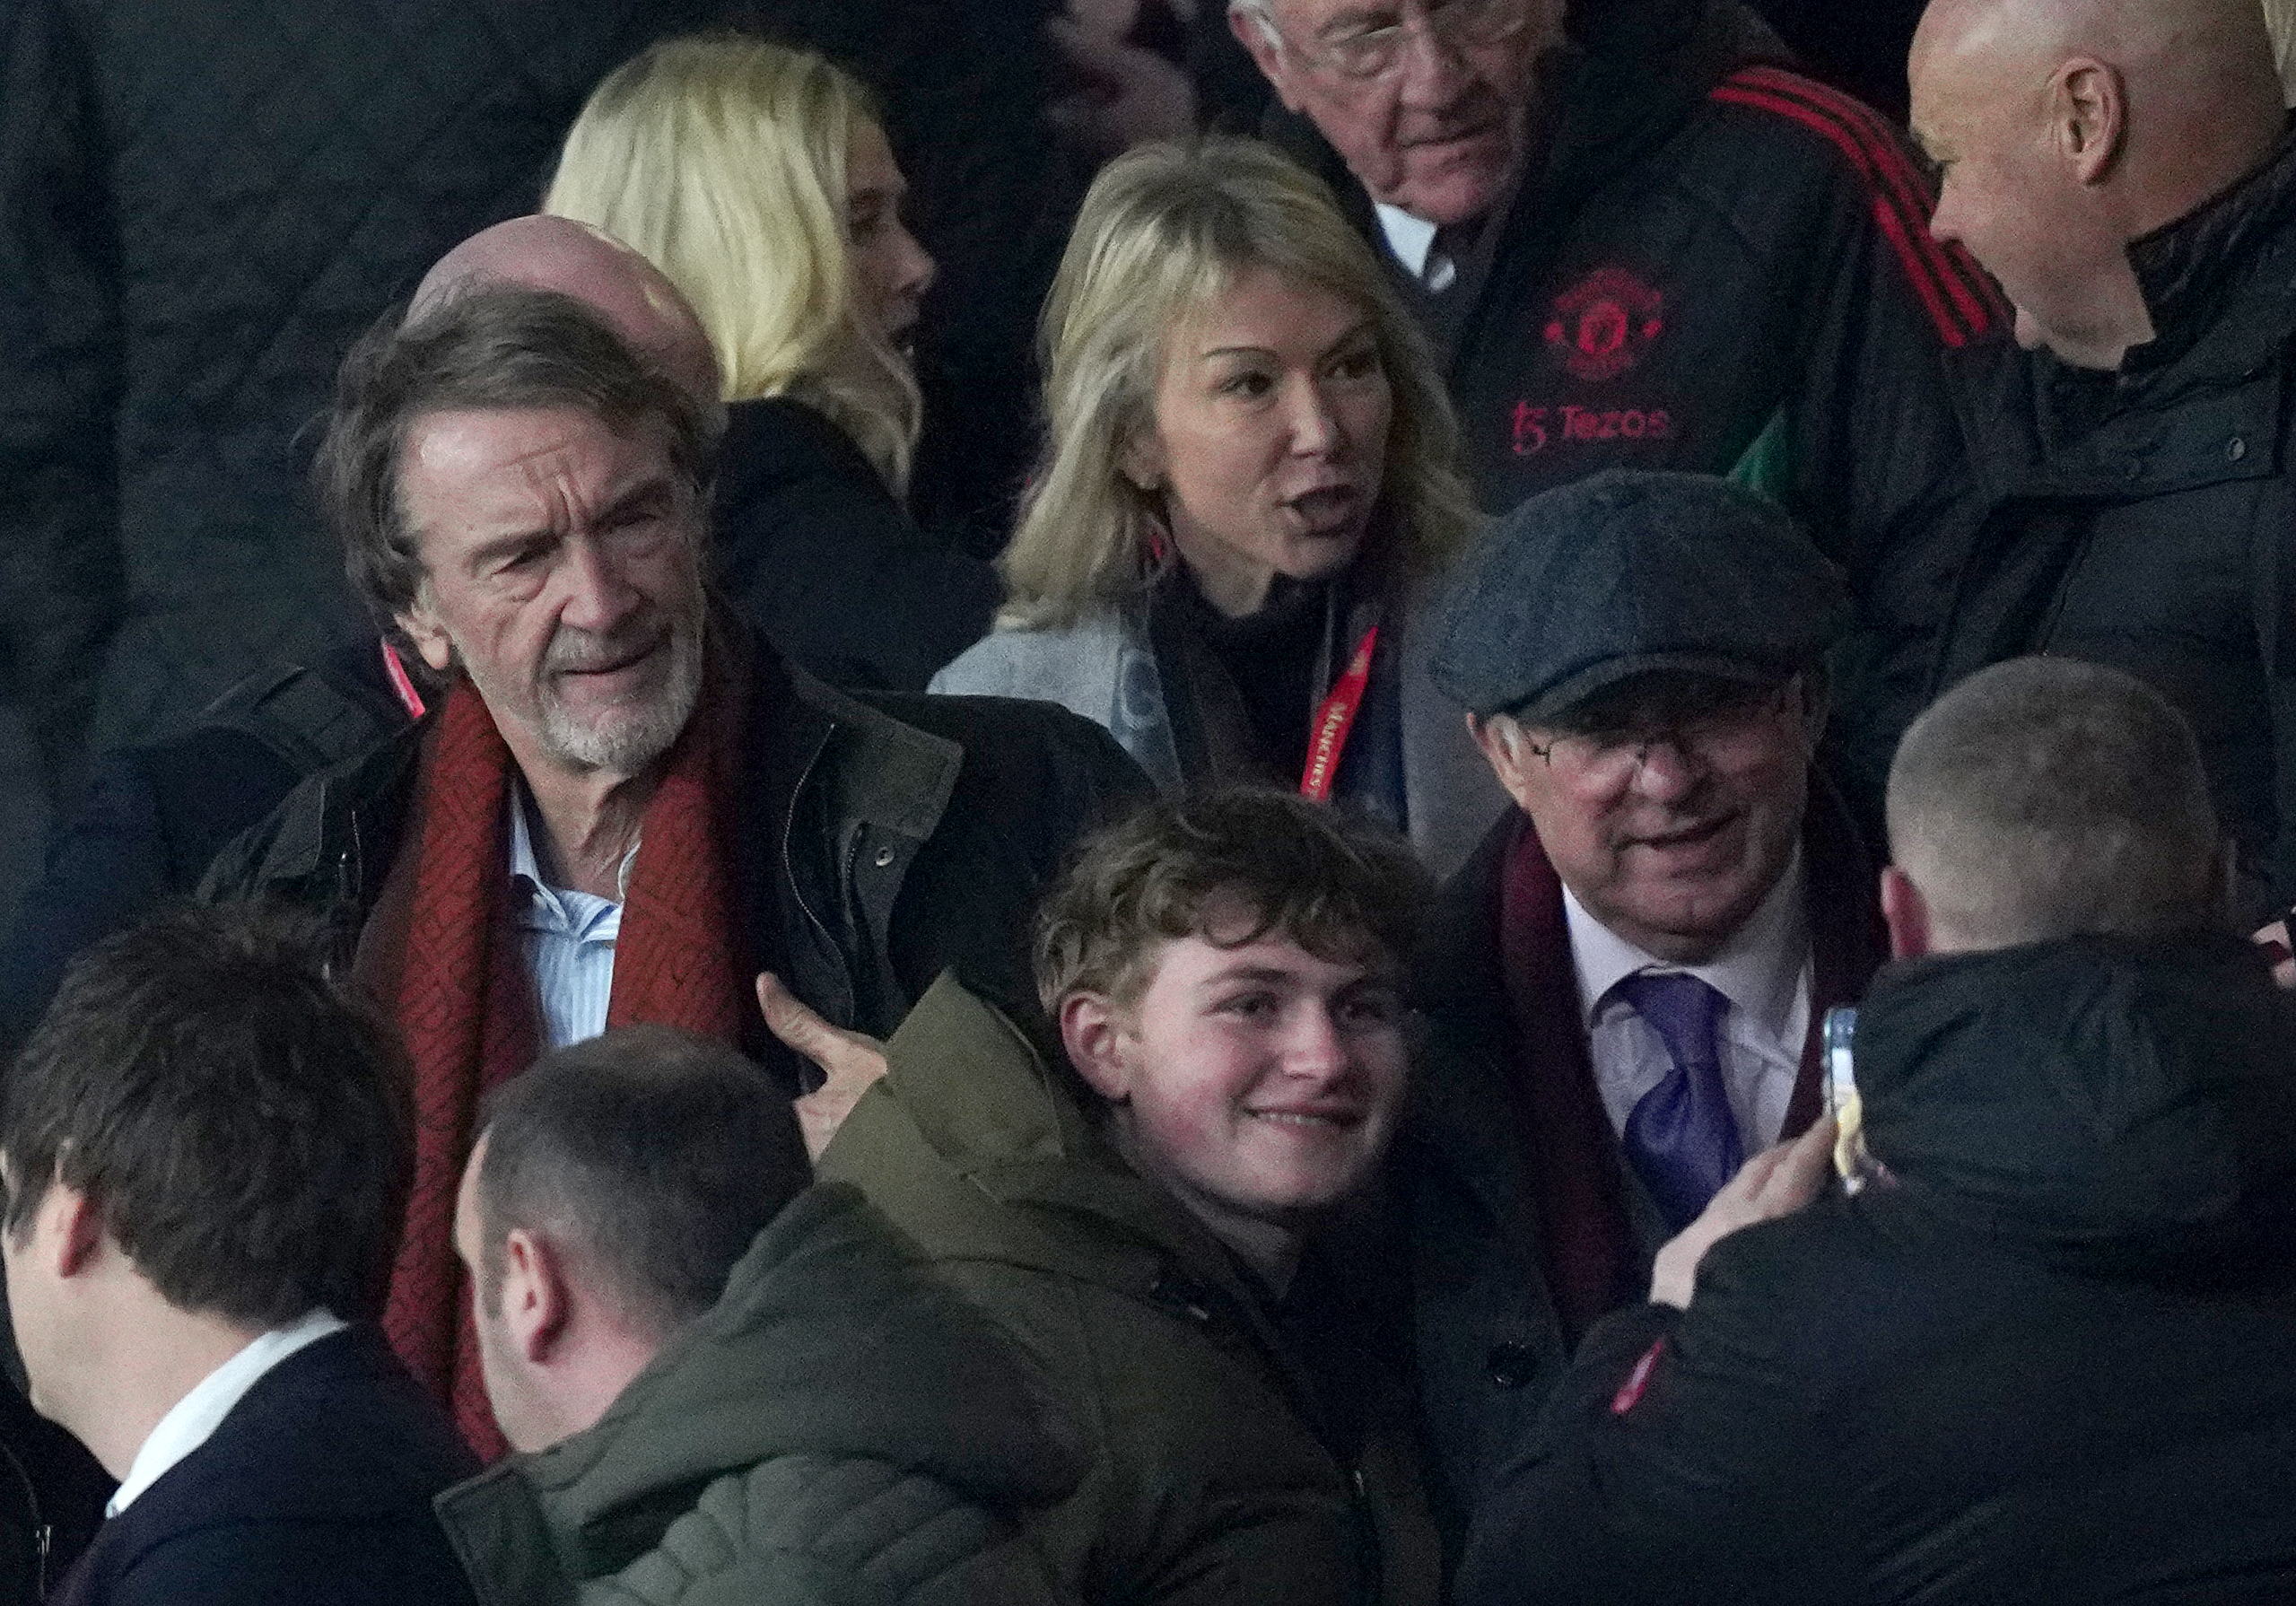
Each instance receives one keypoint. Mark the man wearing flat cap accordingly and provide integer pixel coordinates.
(1626, 986)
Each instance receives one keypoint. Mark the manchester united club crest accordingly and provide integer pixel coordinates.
(1602, 326)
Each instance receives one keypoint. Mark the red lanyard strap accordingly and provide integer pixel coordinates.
(1335, 721)
(401, 682)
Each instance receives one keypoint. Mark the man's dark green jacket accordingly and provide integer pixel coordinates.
(1215, 1472)
(839, 1429)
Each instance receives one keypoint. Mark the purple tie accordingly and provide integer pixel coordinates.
(1681, 1138)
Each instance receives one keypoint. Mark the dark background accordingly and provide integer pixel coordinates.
(1859, 45)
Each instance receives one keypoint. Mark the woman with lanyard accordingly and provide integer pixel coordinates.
(1248, 477)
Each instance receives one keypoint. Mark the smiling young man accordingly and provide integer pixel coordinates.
(1628, 983)
(622, 807)
(1128, 1174)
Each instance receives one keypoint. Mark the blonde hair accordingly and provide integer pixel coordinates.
(722, 160)
(1165, 229)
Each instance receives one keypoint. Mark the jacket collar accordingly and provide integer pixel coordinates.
(2187, 269)
(2117, 1107)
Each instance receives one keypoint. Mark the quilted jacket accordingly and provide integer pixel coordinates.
(204, 202)
(838, 1429)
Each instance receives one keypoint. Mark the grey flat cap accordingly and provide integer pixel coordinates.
(1624, 573)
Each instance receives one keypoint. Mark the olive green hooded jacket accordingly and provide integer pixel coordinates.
(1213, 1475)
(838, 1431)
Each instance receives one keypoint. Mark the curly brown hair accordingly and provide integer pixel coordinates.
(1339, 886)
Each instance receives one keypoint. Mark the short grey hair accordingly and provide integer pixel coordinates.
(2046, 798)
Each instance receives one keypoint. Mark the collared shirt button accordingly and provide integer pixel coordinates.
(884, 857)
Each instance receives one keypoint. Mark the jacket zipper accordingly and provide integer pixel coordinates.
(788, 861)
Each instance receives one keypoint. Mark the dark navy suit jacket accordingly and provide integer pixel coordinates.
(316, 1488)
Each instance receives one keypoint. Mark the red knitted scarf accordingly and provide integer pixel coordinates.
(445, 953)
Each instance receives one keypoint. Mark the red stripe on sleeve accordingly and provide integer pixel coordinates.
(1959, 312)
(1637, 1383)
(1972, 289)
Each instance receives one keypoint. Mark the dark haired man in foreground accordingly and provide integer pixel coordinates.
(206, 1151)
(2044, 1355)
(725, 1385)
(1131, 1189)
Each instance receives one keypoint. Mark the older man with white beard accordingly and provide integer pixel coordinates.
(622, 807)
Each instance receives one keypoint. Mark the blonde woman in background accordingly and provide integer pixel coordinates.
(1250, 474)
(2279, 20)
(759, 178)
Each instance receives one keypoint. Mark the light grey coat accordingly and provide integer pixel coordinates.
(1104, 669)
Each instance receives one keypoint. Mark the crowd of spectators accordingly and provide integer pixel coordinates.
(1553, 864)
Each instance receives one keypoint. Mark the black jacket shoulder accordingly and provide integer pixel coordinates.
(817, 554)
(316, 1487)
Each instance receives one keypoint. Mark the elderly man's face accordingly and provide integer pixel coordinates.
(562, 568)
(1673, 830)
(1428, 100)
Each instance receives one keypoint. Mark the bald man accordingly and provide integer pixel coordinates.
(2124, 169)
(543, 252)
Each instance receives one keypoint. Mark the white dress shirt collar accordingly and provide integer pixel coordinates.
(1412, 240)
(1759, 969)
(526, 867)
(193, 1419)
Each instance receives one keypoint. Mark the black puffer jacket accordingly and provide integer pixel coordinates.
(814, 553)
(2052, 1364)
(2146, 519)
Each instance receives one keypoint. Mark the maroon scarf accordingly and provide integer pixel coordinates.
(1578, 1174)
(443, 952)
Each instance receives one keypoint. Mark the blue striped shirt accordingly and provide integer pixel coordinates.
(569, 938)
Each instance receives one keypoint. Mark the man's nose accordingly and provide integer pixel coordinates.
(1667, 769)
(1944, 218)
(1432, 75)
(1315, 1047)
(598, 595)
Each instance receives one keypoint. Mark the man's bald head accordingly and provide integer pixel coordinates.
(2046, 799)
(593, 267)
(2067, 128)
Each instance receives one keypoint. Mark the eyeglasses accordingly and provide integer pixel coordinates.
(1456, 26)
(1728, 736)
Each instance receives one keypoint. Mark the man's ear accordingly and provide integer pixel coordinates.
(1093, 1033)
(536, 1299)
(67, 1222)
(1257, 35)
(2088, 112)
(1907, 914)
(1508, 753)
(422, 625)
